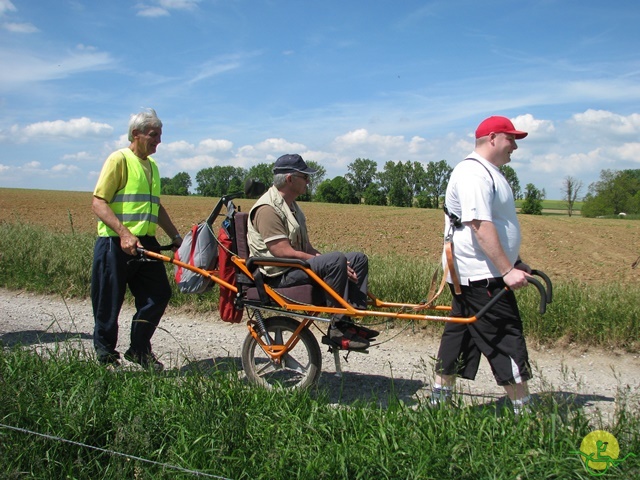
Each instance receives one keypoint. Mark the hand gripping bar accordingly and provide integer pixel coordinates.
(546, 295)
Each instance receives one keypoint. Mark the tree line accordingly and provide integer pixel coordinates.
(400, 184)
(413, 184)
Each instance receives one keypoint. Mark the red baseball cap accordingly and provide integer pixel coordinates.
(498, 124)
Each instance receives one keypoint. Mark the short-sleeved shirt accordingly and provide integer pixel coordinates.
(267, 221)
(477, 190)
(113, 176)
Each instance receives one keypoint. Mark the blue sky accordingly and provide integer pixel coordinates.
(240, 82)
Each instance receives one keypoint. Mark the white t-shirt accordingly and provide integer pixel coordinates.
(477, 190)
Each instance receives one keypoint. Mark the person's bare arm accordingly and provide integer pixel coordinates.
(164, 221)
(128, 241)
(487, 236)
(282, 248)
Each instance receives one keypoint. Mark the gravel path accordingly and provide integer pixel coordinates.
(401, 365)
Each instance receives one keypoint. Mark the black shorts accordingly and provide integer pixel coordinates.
(497, 335)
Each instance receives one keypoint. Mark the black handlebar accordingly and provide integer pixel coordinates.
(546, 294)
(547, 281)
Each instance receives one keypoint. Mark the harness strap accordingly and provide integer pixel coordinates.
(433, 294)
(448, 251)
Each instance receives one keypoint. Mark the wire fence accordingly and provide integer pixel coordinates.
(113, 452)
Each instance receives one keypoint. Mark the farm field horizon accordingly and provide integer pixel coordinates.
(566, 248)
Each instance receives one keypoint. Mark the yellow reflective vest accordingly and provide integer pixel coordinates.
(137, 204)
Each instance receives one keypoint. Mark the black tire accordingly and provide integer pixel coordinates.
(299, 368)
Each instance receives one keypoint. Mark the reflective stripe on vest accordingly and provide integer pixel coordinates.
(136, 205)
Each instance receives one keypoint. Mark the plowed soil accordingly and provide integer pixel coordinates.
(566, 248)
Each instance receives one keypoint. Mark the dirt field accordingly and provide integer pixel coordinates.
(566, 248)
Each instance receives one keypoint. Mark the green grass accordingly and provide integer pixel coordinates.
(211, 422)
(559, 205)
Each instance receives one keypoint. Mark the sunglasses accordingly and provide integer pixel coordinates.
(304, 176)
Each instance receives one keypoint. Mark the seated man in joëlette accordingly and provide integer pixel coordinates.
(277, 228)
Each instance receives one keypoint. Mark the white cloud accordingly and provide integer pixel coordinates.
(361, 143)
(31, 67)
(152, 12)
(179, 4)
(181, 147)
(279, 145)
(361, 136)
(569, 164)
(79, 157)
(205, 146)
(269, 148)
(212, 145)
(161, 8)
(608, 122)
(20, 27)
(535, 127)
(417, 144)
(64, 169)
(628, 151)
(6, 6)
(216, 66)
(196, 163)
(74, 128)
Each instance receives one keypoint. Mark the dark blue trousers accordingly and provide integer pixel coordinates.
(113, 271)
(332, 268)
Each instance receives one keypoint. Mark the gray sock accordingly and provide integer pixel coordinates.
(522, 405)
(440, 394)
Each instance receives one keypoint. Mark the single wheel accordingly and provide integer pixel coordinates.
(299, 368)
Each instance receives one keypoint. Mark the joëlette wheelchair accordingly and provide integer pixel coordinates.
(280, 348)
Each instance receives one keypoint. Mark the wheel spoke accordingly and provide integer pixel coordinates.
(291, 363)
(267, 367)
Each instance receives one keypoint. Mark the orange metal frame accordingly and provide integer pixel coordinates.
(402, 311)
(344, 309)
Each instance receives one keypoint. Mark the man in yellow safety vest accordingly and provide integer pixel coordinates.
(126, 201)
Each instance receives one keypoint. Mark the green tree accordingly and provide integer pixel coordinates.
(437, 177)
(178, 185)
(262, 172)
(424, 200)
(615, 192)
(361, 173)
(220, 180)
(532, 204)
(416, 179)
(394, 184)
(570, 190)
(373, 195)
(336, 190)
(512, 178)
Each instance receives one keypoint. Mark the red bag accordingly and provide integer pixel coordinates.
(228, 311)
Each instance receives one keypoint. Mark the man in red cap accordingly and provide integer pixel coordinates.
(485, 232)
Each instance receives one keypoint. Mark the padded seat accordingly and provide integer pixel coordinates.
(303, 294)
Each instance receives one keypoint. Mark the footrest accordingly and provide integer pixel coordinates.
(327, 341)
